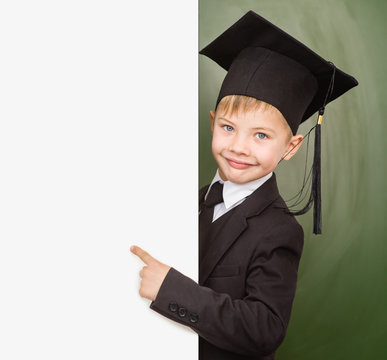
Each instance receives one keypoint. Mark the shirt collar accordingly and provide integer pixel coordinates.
(232, 192)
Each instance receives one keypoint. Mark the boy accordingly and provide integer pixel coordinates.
(249, 243)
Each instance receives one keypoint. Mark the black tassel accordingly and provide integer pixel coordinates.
(315, 193)
(316, 181)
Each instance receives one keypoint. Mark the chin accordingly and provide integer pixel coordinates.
(238, 178)
(245, 178)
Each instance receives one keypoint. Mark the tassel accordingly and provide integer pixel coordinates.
(316, 181)
(315, 193)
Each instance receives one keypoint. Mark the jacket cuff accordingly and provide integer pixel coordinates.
(173, 300)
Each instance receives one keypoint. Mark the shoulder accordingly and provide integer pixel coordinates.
(275, 228)
(202, 193)
(204, 189)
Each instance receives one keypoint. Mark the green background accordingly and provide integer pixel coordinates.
(340, 309)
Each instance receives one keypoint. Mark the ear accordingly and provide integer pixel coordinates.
(293, 146)
(212, 119)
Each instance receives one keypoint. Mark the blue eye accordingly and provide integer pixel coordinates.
(261, 136)
(228, 128)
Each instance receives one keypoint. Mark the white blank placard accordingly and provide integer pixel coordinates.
(98, 151)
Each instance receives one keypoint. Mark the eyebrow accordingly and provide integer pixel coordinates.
(222, 118)
(264, 128)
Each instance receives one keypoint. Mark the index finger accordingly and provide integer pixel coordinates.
(142, 254)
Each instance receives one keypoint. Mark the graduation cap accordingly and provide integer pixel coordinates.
(266, 63)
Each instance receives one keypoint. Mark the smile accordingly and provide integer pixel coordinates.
(236, 164)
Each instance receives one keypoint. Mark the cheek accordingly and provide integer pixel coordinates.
(217, 142)
(267, 156)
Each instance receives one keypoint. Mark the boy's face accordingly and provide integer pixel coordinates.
(249, 144)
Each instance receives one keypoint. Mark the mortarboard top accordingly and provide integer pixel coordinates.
(266, 63)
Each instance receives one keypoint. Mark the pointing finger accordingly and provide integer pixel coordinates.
(142, 254)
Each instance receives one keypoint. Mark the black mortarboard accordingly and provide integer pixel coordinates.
(268, 64)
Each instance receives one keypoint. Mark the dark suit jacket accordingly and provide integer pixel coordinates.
(241, 306)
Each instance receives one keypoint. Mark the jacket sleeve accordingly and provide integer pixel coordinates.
(254, 325)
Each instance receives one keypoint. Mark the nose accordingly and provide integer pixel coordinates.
(239, 145)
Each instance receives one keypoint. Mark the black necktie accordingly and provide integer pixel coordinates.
(215, 196)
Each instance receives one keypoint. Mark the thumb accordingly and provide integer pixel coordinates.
(142, 254)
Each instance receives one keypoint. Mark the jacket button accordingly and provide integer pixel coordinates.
(172, 306)
(193, 317)
(182, 311)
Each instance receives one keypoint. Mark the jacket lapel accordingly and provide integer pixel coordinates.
(253, 205)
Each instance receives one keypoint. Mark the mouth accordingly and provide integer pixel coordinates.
(237, 164)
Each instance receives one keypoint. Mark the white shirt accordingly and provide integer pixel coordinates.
(234, 194)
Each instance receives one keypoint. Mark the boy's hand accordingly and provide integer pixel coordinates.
(152, 275)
